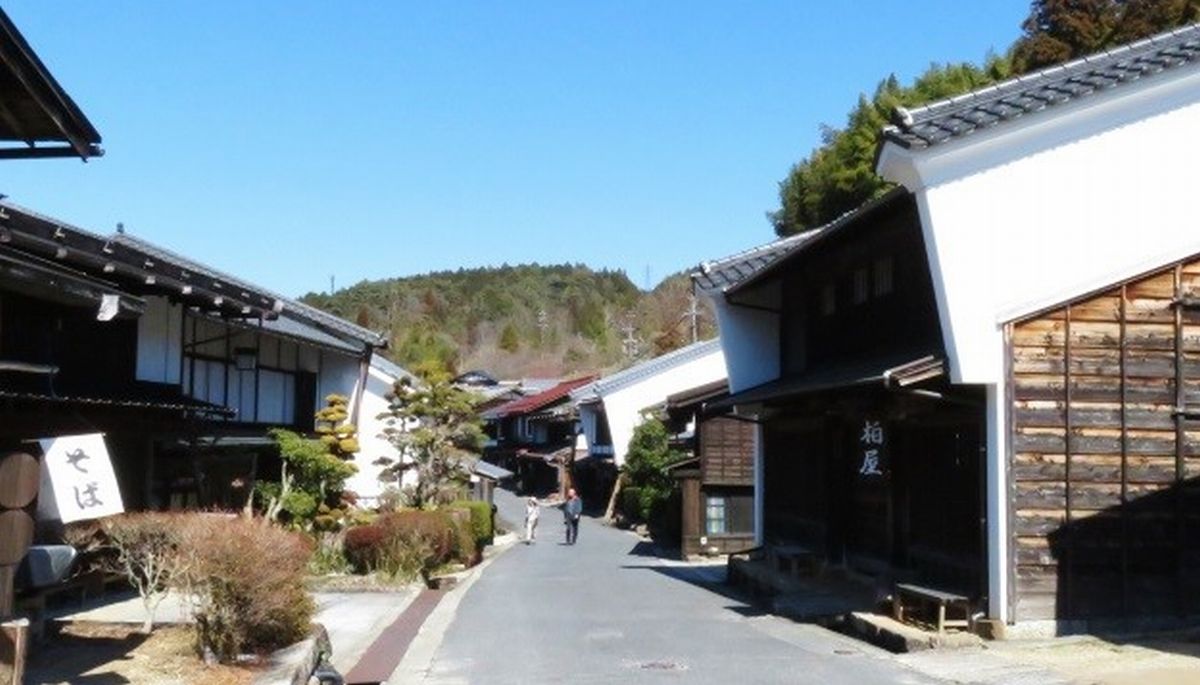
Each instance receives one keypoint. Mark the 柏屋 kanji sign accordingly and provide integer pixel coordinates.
(78, 482)
(872, 449)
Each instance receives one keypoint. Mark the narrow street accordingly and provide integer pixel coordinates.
(606, 611)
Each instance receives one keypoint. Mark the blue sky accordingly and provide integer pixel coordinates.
(288, 141)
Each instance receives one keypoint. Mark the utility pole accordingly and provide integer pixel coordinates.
(543, 322)
(331, 288)
(630, 345)
(694, 314)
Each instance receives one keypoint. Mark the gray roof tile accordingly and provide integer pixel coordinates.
(940, 122)
(720, 274)
(728, 273)
(291, 308)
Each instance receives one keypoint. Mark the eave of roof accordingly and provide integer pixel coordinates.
(390, 368)
(946, 120)
(698, 394)
(532, 403)
(489, 470)
(721, 274)
(830, 230)
(283, 305)
(899, 371)
(181, 404)
(35, 108)
(652, 367)
(76, 248)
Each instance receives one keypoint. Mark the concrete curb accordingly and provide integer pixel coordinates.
(418, 659)
(294, 665)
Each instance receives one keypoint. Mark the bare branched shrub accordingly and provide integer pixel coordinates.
(147, 552)
(246, 579)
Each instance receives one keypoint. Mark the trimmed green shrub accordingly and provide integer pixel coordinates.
(409, 543)
(466, 550)
(481, 520)
(631, 503)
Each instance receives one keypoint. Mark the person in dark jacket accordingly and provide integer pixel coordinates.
(572, 510)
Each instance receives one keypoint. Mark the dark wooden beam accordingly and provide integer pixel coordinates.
(114, 260)
(44, 152)
(24, 66)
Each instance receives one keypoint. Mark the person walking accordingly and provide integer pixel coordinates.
(532, 512)
(572, 510)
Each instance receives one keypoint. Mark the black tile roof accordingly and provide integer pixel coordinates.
(722, 274)
(287, 307)
(735, 271)
(946, 120)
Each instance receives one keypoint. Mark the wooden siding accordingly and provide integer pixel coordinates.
(1105, 521)
(727, 451)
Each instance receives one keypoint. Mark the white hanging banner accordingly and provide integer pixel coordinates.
(78, 482)
(110, 305)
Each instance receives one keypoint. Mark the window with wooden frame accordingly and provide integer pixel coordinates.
(714, 515)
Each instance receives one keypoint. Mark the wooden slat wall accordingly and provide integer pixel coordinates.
(727, 451)
(1102, 515)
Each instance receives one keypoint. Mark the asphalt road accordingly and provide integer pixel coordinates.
(606, 611)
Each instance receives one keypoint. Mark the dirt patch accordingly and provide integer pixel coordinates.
(1163, 659)
(110, 654)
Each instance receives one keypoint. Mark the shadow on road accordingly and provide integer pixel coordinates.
(645, 548)
(710, 578)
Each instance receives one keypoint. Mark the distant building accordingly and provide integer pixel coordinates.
(717, 479)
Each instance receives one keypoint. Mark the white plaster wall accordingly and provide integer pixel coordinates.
(371, 443)
(160, 340)
(338, 375)
(1033, 215)
(589, 417)
(750, 343)
(623, 408)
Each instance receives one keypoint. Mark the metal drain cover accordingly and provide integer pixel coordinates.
(660, 665)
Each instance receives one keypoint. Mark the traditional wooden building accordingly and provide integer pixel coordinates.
(870, 457)
(534, 436)
(610, 408)
(182, 367)
(980, 382)
(717, 480)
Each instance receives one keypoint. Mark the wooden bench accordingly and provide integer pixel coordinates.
(930, 596)
(793, 559)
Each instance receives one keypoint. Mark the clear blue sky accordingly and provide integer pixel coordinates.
(287, 141)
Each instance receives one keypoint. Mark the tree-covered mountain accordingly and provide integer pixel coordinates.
(521, 321)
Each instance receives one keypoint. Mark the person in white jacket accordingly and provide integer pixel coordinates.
(532, 511)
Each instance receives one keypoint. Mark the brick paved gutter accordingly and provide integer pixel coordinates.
(384, 655)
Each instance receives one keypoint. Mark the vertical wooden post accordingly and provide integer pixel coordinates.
(1180, 438)
(1068, 572)
(7, 575)
(14, 641)
(1124, 314)
(20, 477)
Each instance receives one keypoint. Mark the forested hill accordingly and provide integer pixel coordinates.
(521, 321)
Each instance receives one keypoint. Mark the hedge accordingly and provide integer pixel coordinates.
(481, 520)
